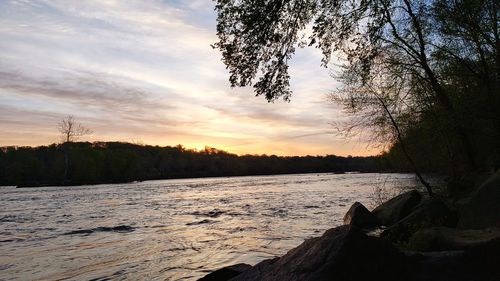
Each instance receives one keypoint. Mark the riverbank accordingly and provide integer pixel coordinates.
(409, 237)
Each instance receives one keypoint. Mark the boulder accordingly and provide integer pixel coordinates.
(432, 212)
(359, 216)
(477, 263)
(483, 260)
(446, 239)
(434, 266)
(226, 273)
(345, 253)
(482, 210)
(342, 253)
(397, 208)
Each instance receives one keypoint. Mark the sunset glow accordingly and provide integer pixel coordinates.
(144, 71)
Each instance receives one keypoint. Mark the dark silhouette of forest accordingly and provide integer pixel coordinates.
(113, 162)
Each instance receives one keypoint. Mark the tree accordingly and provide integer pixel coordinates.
(363, 101)
(71, 130)
(418, 40)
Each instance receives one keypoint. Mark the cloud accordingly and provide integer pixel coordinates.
(145, 70)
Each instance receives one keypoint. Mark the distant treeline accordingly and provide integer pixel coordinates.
(112, 162)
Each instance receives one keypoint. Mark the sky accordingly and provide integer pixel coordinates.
(144, 72)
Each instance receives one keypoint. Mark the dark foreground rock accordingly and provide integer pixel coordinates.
(482, 262)
(397, 208)
(448, 239)
(346, 253)
(478, 263)
(342, 253)
(430, 213)
(483, 208)
(358, 215)
(227, 272)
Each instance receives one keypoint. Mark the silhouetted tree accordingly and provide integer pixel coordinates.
(71, 131)
(380, 104)
(436, 45)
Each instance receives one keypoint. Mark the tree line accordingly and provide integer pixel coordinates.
(75, 163)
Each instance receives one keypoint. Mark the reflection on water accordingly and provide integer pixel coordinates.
(170, 229)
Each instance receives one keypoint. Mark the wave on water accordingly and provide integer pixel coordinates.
(170, 229)
(119, 229)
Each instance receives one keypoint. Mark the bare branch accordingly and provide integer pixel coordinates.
(71, 130)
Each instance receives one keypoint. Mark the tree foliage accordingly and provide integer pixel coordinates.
(418, 62)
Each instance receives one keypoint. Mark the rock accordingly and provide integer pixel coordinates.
(446, 239)
(359, 216)
(477, 263)
(483, 260)
(342, 253)
(432, 212)
(483, 208)
(226, 273)
(436, 266)
(397, 208)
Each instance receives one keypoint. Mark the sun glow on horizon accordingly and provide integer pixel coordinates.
(145, 70)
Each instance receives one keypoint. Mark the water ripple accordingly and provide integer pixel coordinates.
(170, 229)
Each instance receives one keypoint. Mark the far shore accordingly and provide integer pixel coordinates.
(199, 177)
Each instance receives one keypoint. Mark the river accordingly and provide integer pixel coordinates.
(172, 229)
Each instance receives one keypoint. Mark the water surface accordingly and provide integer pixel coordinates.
(171, 229)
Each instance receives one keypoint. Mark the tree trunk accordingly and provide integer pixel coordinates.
(66, 162)
(427, 186)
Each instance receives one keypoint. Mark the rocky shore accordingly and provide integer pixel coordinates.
(409, 237)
